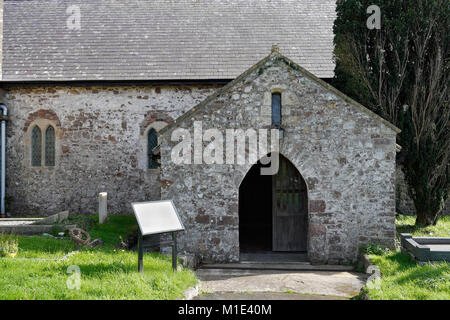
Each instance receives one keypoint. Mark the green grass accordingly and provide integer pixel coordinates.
(106, 272)
(405, 224)
(404, 279)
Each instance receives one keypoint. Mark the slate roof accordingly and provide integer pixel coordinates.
(162, 39)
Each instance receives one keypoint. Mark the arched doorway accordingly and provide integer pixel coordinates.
(273, 210)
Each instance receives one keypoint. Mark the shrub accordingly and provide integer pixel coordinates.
(375, 249)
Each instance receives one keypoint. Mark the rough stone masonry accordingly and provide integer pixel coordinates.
(101, 144)
(345, 153)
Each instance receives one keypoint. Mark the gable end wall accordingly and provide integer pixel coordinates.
(346, 157)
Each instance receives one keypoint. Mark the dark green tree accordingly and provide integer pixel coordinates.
(402, 71)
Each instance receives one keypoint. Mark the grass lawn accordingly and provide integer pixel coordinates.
(402, 278)
(106, 273)
(405, 224)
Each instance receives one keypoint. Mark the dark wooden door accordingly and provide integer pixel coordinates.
(289, 209)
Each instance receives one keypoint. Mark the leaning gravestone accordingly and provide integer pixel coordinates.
(55, 218)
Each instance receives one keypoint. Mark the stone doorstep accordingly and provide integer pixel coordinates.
(276, 267)
(31, 229)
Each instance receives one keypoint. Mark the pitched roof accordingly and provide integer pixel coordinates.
(276, 55)
(162, 39)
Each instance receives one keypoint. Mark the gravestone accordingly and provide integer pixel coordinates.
(102, 207)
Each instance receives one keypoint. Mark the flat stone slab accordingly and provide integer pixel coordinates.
(425, 249)
(438, 247)
(20, 219)
(17, 222)
(25, 229)
(30, 226)
(264, 296)
(29, 229)
(326, 283)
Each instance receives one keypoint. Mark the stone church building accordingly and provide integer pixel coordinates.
(334, 189)
(96, 91)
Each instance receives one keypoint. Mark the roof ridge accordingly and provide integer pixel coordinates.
(276, 54)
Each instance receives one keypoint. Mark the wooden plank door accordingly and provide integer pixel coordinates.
(289, 209)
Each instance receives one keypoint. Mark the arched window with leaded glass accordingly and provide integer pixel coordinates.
(50, 147)
(36, 146)
(152, 143)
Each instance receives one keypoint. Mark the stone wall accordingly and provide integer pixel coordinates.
(100, 145)
(345, 154)
(1, 39)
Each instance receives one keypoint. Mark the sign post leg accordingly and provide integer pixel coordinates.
(174, 251)
(140, 253)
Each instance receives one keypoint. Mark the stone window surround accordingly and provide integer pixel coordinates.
(42, 124)
(266, 106)
(157, 125)
(279, 109)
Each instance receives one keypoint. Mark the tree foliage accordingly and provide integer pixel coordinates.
(402, 72)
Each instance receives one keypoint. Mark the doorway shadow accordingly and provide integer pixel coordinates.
(273, 213)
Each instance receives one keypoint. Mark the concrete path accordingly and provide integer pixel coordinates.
(270, 284)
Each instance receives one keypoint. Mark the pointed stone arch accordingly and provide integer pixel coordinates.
(273, 210)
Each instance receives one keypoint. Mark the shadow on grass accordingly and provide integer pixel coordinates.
(97, 269)
(38, 244)
(428, 275)
(111, 233)
(403, 260)
(116, 262)
(406, 224)
(115, 230)
(408, 229)
(99, 260)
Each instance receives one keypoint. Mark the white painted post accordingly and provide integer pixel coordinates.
(102, 207)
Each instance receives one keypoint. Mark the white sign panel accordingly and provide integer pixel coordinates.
(157, 217)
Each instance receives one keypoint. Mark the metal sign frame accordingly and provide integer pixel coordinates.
(162, 231)
(141, 236)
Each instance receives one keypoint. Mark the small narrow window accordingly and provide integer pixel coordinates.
(36, 146)
(152, 143)
(50, 147)
(276, 109)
